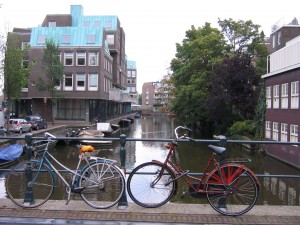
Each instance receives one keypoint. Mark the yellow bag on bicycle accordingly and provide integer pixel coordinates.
(86, 148)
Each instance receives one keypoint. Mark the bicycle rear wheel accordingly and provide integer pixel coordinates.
(146, 185)
(239, 193)
(103, 185)
(35, 194)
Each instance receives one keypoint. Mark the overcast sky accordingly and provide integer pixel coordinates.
(152, 27)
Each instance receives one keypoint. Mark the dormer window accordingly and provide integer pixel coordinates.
(90, 39)
(66, 39)
(52, 23)
(86, 23)
(41, 39)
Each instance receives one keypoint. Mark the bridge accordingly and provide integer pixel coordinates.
(56, 212)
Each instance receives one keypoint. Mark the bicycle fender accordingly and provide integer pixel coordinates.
(241, 166)
(171, 170)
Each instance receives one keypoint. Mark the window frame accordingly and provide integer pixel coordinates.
(68, 88)
(80, 77)
(68, 55)
(95, 87)
(80, 56)
(96, 55)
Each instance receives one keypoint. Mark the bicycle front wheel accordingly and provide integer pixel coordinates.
(102, 185)
(29, 194)
(151, 185)
(232, 190)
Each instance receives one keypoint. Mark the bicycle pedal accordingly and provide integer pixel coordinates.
(77, 189)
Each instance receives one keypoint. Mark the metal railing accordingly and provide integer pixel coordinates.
(123, 139)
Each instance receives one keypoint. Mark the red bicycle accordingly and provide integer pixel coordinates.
(230, 187)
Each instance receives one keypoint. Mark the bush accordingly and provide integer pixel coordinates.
(242, 130)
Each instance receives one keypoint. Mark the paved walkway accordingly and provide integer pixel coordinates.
(169, 213)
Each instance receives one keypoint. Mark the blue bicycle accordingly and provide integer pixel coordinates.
(100, 183)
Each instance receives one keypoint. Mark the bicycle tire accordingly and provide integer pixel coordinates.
(240, 191)
(39, 192)
(141, 190)
(105, 192)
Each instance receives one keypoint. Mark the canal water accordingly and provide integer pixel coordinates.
(192, 157)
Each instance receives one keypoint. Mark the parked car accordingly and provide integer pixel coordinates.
(19, 125)
(37, 122)
(2, 131)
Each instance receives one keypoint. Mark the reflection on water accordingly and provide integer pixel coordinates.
(192, 156)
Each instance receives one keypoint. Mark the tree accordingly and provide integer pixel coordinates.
(15, 72)
(53, 69)
(196, 57)
(234, 95)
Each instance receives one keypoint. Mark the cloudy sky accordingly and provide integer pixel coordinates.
(152, 27)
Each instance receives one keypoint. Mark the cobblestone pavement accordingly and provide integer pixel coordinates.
(169, 213)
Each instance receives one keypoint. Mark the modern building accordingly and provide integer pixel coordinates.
(132, 81)
(156, 96)
(92, 50)
(282, 91)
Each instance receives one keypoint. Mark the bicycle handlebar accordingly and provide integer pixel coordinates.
(185, 136)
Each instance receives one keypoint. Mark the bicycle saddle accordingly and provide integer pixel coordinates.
(217, 149)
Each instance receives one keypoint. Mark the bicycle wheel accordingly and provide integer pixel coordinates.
(239, 193)
(103, 185)
(146, 186)
(34, 194)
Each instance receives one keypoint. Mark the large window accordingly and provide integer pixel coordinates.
(80, 82)
(284, 132)
(93, 59)
(276, 97)
(110, 38)
(268, 129)
(66, 39)
(68, 59)
(93, 82)
(68, 82)
(269, 97)
(275, 131)
(41, 39)
(295, 95)
(80, 58)
(284, 96)
(293, 133)
(90, 39)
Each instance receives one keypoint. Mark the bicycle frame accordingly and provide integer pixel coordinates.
(180, 173)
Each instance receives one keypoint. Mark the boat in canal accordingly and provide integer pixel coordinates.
(93, 134)
(10, 155)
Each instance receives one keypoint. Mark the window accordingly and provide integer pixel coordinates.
(90, 39)
(68, 82)
(97, 24)
(128, 81)
(80, 82)
(25, 45)
(80, 56)
(275, 131)
(133, 73)
(268, 129)
(107, 25)
(279, 38)
(295, 95)
(52, 23)
(41, 39)
(93, 59)
(284, 132)
(110, 38)
(284, 96)
(86, 23)
(66, 39)
(294, 133)
(276, 97)
(269, 97)
(129, 73)
(68, 59)
(93, 82)
(274, 41)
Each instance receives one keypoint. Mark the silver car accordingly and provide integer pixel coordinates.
(19, 125)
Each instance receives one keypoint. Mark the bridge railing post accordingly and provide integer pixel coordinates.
(123, 203)
(28, 198)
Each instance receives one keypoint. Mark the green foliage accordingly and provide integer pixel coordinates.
(260, 114)
(15, 74)
(242, 130)
(53, 69)
(216, 79)
(196, 56)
